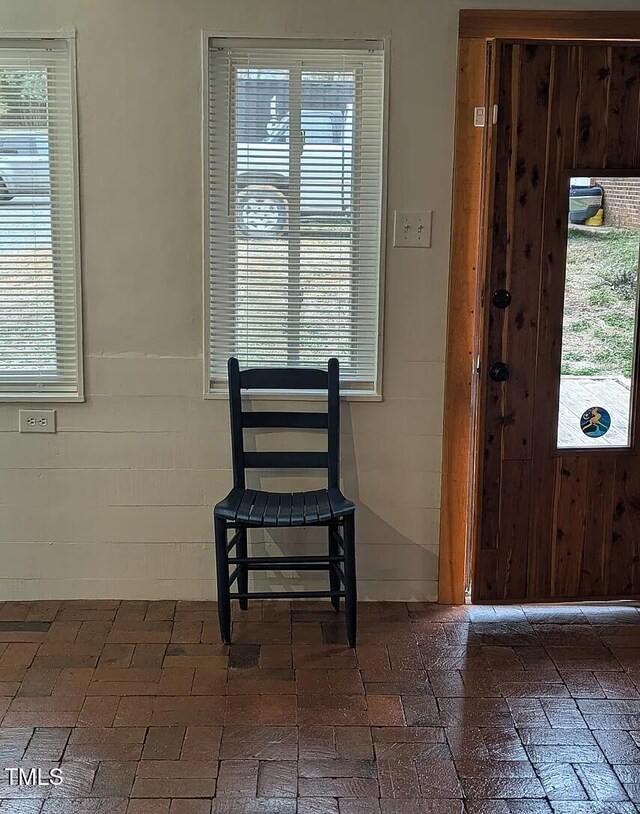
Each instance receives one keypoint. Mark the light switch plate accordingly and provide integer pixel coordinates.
(37, 420)
(412, 229)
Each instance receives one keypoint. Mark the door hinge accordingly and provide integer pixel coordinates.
(476, 365)
(495, 114)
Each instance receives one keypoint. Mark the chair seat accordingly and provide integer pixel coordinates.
(257, 508)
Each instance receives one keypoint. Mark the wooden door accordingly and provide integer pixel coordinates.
(552, 523)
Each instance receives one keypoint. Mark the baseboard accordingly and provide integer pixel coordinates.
(192, 589)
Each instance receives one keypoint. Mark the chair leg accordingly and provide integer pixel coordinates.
(351, 591)
(243, 574)
(222, 577)
(334, 579)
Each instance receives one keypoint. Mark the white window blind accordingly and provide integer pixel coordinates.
(39, 256)
(295, 203)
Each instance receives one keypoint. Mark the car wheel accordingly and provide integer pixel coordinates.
(5, 195)
(262, 210)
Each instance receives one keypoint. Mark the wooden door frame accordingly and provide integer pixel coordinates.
(476, 27)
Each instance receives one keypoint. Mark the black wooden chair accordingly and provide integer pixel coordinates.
(244, 508)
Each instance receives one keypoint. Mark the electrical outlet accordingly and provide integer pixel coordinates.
(412, 229)
(37, 421)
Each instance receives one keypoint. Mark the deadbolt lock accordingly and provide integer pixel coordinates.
(501, 298)
(499, 372)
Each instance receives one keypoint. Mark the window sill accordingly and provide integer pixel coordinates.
(38, 398)
(295, 395)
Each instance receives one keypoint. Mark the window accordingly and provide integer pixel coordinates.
(600, 313)
(40, 355)
(295, 188)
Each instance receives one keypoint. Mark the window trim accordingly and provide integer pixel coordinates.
(301, 41)
(67, 35)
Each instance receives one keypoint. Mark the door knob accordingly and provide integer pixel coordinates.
(501, 298)
(499, 372)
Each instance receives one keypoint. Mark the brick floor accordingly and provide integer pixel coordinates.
(440, 710)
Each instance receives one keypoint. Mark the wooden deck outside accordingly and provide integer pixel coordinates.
(579, 393)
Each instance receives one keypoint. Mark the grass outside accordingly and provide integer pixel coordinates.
(312, 303)
(27, 311)
(600, 302)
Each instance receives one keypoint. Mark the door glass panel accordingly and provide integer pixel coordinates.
(600, 311)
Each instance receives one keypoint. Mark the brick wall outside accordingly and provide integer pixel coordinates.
(621, 202)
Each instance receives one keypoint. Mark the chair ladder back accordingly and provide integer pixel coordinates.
(333, 420)
(285, 379)
(235, 409)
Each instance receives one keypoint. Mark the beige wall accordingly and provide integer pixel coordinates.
(117, 503)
